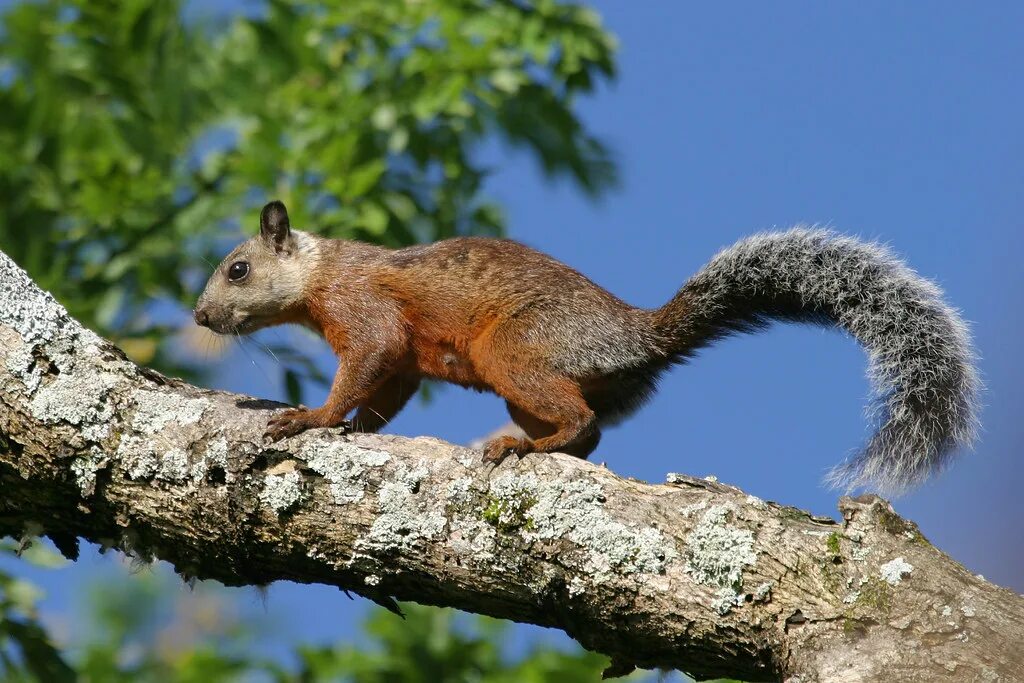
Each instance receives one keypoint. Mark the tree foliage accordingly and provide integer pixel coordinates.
(147, 630)
(137, 135)
(26, 651)
(131, 134)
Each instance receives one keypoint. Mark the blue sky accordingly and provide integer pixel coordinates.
(893, 121)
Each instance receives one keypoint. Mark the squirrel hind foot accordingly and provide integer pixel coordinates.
(496, 450)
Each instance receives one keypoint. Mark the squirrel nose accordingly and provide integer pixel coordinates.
(202, 317)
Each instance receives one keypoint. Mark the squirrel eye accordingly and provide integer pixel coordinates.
(238, 270)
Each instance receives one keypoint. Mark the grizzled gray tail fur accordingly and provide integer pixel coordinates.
(921, 361)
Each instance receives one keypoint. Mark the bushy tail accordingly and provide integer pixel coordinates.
(921, 361)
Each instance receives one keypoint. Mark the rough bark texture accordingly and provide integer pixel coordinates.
(691, 574)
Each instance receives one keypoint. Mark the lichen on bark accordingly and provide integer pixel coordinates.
(693, 574)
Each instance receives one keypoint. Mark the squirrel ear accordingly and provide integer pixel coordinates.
(274, 226)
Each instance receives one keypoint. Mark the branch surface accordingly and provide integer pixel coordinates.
(692, 574)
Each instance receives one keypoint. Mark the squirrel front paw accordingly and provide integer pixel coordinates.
(295, 421)
(500, 448)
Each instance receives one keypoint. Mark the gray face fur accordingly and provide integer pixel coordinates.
(263, 277)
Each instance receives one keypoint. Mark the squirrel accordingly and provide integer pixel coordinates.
(569, 357)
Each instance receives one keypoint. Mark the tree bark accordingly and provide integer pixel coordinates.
(691, 574)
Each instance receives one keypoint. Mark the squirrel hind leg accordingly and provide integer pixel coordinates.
(545, 433)
(615, 397)
(549, 403)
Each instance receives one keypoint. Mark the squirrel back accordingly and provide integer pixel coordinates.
(569, 357)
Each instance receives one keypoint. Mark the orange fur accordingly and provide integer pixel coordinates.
(492, 315)
(568, 356)
(389, 332)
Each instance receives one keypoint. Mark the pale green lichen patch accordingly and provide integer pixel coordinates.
(344, 466)
(474, 538)
(404, 516)
(509, 504)
(138, 457)
(85, 475)
(147, 458)
(84, 468)
(613, 546)
(725, 599)
(756, 502)
(154, 410)
(72, 377)
(716, 554)
(76, 397)
(860, 554)
(146, 453)
(689, 511)
(215, 455)
(154, 456)
(505, 517)
(763, 593)
(458, 490)
(22, 365)
(173, 466)
(543, 509)
(34, 314)
(281, 491)
(471, 537)
(894, 570)
(77, 393)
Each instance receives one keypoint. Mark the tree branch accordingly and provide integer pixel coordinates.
(692, 574)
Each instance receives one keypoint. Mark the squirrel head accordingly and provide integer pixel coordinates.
(262, 280)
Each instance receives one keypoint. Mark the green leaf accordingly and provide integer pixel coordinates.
(507, 80)
(373, 218)
(361, 179)
(23, 595)
(110, 303)
(384, 117)
(40, 554)
(134, 142)
(293, 387)
(41, 659)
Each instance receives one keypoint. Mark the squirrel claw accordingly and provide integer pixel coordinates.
(295, 421)
(287, 423)
(496, 450)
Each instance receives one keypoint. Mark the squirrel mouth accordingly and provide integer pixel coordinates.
(245, 325)
(249, 323)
